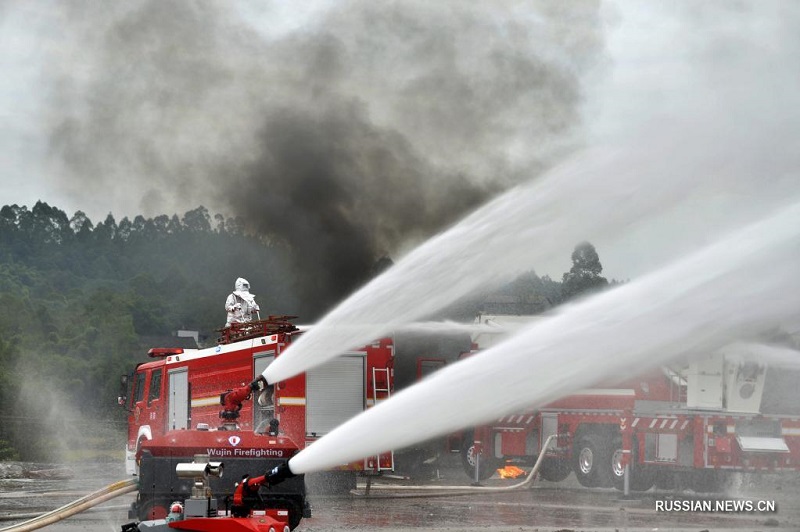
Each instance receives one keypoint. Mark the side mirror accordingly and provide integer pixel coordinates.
(122, 400)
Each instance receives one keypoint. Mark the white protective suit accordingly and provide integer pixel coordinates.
(241, 304)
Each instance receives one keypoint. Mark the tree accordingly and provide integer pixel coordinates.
(105, 231)
(197, 220)
(584, 276)
(124, 230)
(49, 224)
(80, 223)
(551, 291)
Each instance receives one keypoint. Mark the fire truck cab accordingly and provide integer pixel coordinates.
(181, 389)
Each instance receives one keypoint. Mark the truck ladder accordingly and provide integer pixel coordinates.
(380, 392)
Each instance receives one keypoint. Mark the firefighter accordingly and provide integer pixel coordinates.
(241, 304)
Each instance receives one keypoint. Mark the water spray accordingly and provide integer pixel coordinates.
(737, 287)
(778, 356)
(604, 193)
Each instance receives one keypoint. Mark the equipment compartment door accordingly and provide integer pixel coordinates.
(335, 392)
(178, 411)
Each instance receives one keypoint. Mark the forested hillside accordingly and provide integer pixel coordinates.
(80, 304)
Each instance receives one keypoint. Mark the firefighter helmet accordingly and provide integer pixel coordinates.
(242, 285)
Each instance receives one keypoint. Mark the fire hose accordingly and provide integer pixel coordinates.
(464, 490)
(93, 499)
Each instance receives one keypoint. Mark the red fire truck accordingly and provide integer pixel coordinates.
(687, 425)
(181, 389)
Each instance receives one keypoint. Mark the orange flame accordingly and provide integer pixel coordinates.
(511, 471)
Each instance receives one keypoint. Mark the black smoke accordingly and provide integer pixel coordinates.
(340, 191)
(351, 136)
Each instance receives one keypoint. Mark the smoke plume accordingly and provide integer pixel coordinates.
(353, 133)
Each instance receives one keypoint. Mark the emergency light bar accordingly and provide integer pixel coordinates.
(158, 352)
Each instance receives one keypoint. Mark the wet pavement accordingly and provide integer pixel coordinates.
(545, 507)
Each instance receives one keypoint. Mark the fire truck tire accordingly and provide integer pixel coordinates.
(554, 470)
(641, 478)
(487, 464)
(591, 460)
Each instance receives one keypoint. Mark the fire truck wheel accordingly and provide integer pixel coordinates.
(641, 478)
(487, 463)
(591, 461)
(554, 470)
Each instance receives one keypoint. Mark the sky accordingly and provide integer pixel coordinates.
(342, 122)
